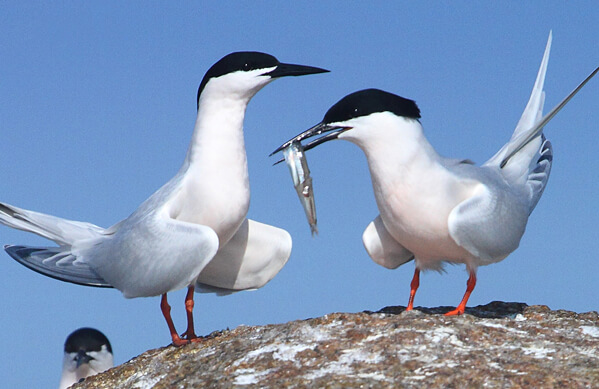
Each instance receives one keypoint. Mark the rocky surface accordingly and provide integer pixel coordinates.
(498, 345)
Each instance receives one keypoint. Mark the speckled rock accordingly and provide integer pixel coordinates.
(498, 345)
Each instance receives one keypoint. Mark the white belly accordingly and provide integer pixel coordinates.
(415, 212)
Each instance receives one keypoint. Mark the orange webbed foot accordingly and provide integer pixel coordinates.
(178, 342)
(455, 312)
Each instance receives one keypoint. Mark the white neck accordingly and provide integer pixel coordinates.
(215, 172)
(218, 131)
(394, 146)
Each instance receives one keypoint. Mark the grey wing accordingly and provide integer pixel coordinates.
(56, 262)
(489, 224)
(59, 230)
(382, 247)
(538, 177)
(152, 254)
(251, 258)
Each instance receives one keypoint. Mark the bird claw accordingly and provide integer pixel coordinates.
(455, 312)
(178, 342)
(186, 335)
(193, 338)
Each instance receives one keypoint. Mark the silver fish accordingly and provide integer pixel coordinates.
(300, 173)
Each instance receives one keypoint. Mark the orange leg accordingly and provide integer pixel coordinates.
(190, 332)
(413, 287)
(469, 288)
(166, 311)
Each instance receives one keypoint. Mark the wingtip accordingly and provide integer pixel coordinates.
(11, 248)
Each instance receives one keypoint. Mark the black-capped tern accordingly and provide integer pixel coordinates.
(434, 209)
(87, 352)
(193, 230)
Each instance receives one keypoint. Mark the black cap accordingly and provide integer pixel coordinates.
(368, 101)
(87, 339)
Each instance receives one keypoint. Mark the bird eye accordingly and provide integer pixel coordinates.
(355, 112)
(246, 66)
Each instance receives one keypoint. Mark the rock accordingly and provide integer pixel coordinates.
(496, 345)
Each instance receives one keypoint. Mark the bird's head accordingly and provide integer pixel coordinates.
(243, 74)
(358, 116)
(87, 350)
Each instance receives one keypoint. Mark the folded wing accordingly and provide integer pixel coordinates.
(253, 256)
(382, 248)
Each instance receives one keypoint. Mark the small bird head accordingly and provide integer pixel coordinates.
(361, 112)
(87, 351)
(244, 73)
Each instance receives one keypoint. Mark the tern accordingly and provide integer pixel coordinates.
(87, 351)
(434, 209)
(192, 231)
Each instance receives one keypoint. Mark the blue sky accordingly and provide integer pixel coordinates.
(97, 105)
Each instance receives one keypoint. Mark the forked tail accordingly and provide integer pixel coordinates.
(516, 166)
(526, 159)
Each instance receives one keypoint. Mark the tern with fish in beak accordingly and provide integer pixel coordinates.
(435, 209)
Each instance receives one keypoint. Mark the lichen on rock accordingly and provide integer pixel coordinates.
(494, 345)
